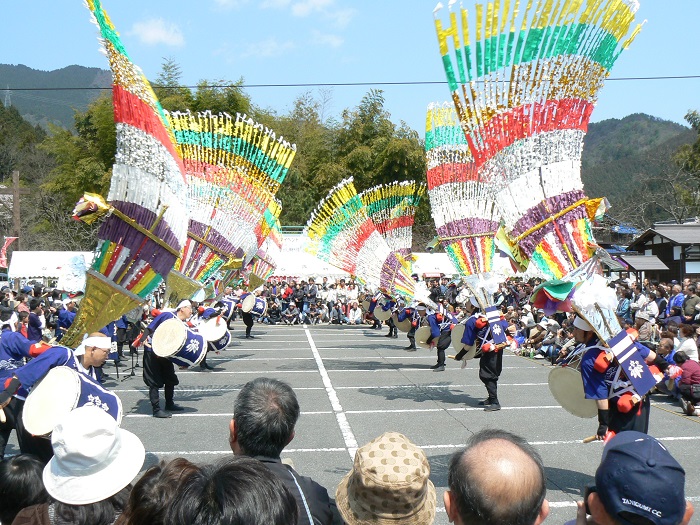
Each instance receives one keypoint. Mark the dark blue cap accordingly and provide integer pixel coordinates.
(638, 476)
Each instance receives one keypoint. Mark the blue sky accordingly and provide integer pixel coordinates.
(330, 41)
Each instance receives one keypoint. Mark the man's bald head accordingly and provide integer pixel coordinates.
(498, 479)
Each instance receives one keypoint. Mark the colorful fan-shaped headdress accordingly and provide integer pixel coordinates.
(462, 204)
(392, 208)
(341, 233)
(147, 222)
(527, 94)
(234, 168)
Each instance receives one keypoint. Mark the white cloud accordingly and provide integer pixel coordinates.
(326, 39)
(267, 48)
(275, 4)
(306, 7)
(158, 31)
(230, 4)
(342, 17)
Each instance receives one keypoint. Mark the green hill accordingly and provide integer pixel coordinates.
(40, 106)
(619, 152)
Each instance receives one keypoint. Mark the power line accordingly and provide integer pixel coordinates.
(336, 84)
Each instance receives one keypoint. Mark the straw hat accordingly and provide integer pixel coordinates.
(93, 458)
(388, 484)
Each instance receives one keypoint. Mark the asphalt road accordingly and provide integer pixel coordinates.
(353, 384)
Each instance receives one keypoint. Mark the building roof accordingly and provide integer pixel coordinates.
(682, 234)
(643, 262)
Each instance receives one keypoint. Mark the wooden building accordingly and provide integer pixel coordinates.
(676, 245)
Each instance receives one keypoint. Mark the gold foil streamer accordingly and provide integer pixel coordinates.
(104, 302)
(179, 287)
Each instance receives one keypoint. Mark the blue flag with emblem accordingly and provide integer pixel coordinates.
(630, 360)
(498, 333)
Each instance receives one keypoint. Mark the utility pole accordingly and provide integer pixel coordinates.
(15, 191)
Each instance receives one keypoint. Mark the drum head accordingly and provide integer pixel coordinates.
(381, 315)
(213, 329)
(248, 303)
(458, 345)
(566, 386)
(50, 400)
(422, 335)
(405, 325)
(169, 338)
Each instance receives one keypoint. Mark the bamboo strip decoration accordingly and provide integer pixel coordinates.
(234, 168)
(146, 222)
(463, 206)
(524, 78)
(392, 208)
(341, 233)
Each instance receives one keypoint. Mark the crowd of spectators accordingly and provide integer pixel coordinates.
(497, 478)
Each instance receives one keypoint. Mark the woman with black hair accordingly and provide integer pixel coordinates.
(20, 485)
(234, 491)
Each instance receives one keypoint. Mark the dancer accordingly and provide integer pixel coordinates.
(159, 372)
(617, 412)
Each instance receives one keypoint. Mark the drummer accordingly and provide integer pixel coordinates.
(412, 315)
(86, 359)
(159, 372)
(247, 318)
(440, 327)
(598, 373)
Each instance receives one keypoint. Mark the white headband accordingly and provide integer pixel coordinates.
(582, 324)
(184, 304)
(104, 342)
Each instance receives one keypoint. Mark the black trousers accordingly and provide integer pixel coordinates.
(443, 344)
(159, 372)
(6, 428)
(636, 419)
(247, 321)
(412, 336)
(392, 327)
(490, 366)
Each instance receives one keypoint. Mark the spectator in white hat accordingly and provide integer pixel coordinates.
(90, 474)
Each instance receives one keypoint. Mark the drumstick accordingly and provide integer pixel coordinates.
(3, 419)
(590, 439)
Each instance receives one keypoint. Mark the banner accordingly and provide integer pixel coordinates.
(3, 252)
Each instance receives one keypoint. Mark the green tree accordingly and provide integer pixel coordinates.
(168, 87)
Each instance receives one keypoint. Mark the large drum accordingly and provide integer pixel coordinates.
(405, 325)
(254, 305)
(183, 347)
(566, 385)
(222, 343)
(381, 314)
(213, 329)
(422, 336)
(60, 391)
(228, 308)
(458, 345)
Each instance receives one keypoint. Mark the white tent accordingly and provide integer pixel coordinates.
(43, 265)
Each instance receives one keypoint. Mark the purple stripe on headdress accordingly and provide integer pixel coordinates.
(542, 211)
(213, 237)
(469, 226)
(119, 232)
(390, 269)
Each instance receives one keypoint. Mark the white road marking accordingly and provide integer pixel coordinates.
(354, 370)
(348, 436)
(361, 387)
